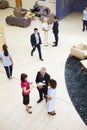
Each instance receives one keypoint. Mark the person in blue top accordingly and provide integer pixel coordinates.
(36, 42)
(85, 19)
(7, 61)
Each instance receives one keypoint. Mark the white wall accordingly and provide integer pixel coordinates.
(12, 3)
(28, 4)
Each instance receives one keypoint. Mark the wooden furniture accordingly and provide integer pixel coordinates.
(2, 37)
(18, 3)
(30, 15)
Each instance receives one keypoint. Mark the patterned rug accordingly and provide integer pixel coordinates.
(76, 83)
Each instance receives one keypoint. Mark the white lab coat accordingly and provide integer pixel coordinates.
(51, 103)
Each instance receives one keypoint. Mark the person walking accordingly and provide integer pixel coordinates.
(45, 29)
(36, 42)
(42, 78)
(84, 19)
(55, 31)
(25, 85)
(6, 58)
(51, 97)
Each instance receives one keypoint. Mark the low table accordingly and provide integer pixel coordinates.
(84, 63)
(30, 15)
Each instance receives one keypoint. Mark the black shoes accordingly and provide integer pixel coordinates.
(54, 46)
(31, 54)
(41, 59)
(39, 100)
(83, 30)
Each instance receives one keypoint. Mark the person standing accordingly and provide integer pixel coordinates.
(51, 97)
(25, 85)
(7, 61)
(84, 19)
(45, 29)
(42, 77)
(55, 31)
(36, 42)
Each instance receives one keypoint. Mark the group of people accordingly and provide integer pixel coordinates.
(35, 38)
(45, 85)
(46, 88)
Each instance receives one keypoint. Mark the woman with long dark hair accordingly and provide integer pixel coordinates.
(25, 85)
(7, 61)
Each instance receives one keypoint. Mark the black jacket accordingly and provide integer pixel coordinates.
(39, 78)
(55, 27)
(33, 39)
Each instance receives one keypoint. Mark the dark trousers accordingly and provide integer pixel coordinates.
(84, 24)
(39, 50)
(56, 38)
(42, 92)
(8, 70)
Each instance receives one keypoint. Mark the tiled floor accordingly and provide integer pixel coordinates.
(12, 112)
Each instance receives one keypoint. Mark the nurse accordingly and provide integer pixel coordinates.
(51, 97)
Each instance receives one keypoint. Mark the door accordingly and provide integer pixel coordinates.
(18, 3)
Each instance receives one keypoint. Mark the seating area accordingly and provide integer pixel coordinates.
(18, 21)
(44, 11)
(79, 51)
(4, 4)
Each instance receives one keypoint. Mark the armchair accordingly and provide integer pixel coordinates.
(18, 11)
(4, 4)
(79, 51)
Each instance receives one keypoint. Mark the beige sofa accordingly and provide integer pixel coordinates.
(79, 51)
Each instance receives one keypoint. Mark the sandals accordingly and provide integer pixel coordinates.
(30, 112)
(52, 114)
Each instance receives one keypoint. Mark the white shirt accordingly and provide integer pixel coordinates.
(85, 15)
(37, 38)
(5, 59)
(45, 26)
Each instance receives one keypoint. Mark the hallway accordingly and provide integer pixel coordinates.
(12, 112)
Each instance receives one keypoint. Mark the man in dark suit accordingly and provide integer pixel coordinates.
(55, 31)
(42, 77)
(35, 42)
